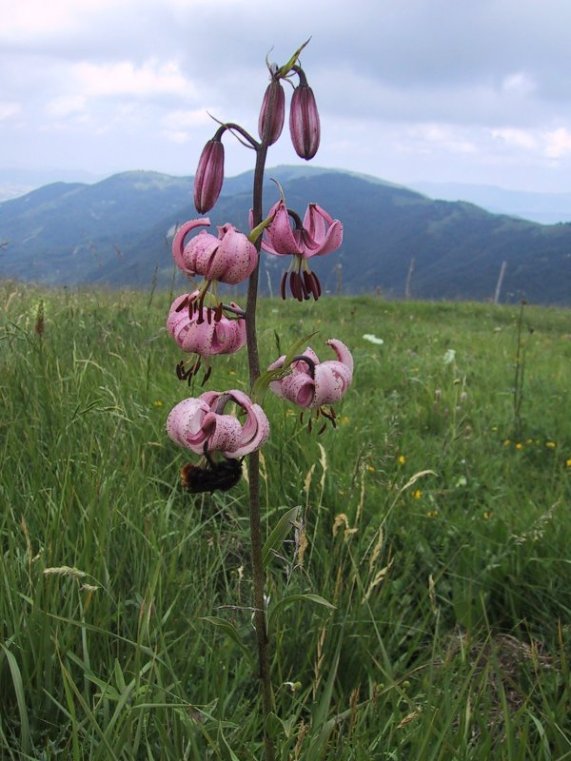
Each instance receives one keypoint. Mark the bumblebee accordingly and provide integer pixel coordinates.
(214, 476)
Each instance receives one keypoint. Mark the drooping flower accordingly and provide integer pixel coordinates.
(317, 235)
(304, 123)
(209, 175)
(205, 330)
(272, 112)
(312, 383)
(228, 258)
(200, 424)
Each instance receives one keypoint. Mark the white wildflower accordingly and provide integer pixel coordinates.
(449, 356)
(371, 338)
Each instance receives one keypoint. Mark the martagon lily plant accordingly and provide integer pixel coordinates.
(222, 427)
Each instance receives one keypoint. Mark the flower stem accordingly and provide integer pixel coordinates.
(251, 337)
(254, 473)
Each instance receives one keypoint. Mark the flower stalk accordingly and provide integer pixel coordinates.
(258, 571)
(204, 326)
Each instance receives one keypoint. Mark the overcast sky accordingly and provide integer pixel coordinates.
(475, 91)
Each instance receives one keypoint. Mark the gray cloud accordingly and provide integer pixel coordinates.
(416, 88)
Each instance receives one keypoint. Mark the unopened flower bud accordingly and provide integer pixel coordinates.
(304, 121)
(209, 176)
(272, 113)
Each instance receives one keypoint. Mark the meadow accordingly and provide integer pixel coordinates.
(419, 576)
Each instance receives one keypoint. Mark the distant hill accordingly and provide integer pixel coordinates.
(545, 208)
(16, 182)
(115, 232)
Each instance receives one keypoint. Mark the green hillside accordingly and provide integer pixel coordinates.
(115, 232)
(435, 519)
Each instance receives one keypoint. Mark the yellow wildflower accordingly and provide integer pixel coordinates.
(401, 459)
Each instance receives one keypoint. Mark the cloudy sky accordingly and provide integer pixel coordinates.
(475, 91)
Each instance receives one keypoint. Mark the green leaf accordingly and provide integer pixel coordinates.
(274, 726)
(16, 674)
(223, 742)
(278, 343)
(300, 597)
(293, 60)
(255, 232)
(321, 727)
(230, 630)
(279, 532)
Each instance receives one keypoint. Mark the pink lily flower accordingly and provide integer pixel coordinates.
(199, 424)
(228, 258)
(317, 235)
(204, 330)
(312, 383)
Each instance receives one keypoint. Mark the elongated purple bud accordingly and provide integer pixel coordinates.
(272, 113)
(209, 176)
(304, 122)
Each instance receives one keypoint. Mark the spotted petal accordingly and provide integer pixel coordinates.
(312, 383)
(201, 424)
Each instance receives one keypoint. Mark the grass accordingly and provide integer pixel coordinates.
(434, 519)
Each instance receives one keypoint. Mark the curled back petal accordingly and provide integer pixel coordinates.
(198, 253)
(333, 239)
(184, 423)
(180, 235)
(235, 258)
(300, 366)
(279, 237)
(325, 233)
(298, 388)
(316, 221)
(343, 353)
(332, 379)
(254, 434)
(222, 432)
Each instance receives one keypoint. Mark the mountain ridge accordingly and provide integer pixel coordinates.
(545, 208)
(114, 232)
